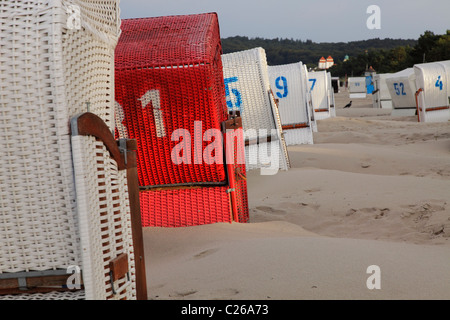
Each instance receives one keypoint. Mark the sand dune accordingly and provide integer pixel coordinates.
(372, 190)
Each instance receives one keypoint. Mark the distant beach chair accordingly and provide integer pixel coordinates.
(357, 87)
(68, 226)
(170, 97)
(402, 89)
(320, 86)
(381, 98)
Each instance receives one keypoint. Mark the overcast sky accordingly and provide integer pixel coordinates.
(319, 21)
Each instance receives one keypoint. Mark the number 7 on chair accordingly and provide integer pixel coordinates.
(153, 96)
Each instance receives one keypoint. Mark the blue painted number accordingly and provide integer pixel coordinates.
(313, 83)
(283, 87)
(439, 83)
(399, 89)
(236, 92)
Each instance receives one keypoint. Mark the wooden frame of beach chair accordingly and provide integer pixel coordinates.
(248, 91)
(433, 91)
(170, 97)
(290, 92)
(57, 62)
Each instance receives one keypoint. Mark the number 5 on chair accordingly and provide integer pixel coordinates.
(236, 92)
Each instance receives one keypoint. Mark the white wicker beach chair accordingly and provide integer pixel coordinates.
(318, 82)
(290, 92)
(381, 98)
(57, 61)
(433, 91)
(357, 87)
(248, 91)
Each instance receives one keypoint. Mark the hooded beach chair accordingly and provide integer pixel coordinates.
(357, 87)
(70, 227)
(381, 98)
(290, 90)
(320, 94)
(248, 91)
(170, 97)
(433, 91)
(402, 89)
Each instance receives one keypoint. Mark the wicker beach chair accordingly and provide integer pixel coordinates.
(66, 213)
(433, 91)
(169, 96)
(320, 94)
(248, 91)
(290, 92)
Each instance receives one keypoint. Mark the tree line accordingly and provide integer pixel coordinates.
(384, 55)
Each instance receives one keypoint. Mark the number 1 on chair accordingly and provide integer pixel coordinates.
(153, 96)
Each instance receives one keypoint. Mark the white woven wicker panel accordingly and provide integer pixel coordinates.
(402, 89)
(306, 84)
(247, 74)
(88, 58)
(54, 295)
(38, 228)
(319, 94)
(248, 90)
(287, 86)
(298, 136)
(50, 69)
(433, 79)
(104, 218)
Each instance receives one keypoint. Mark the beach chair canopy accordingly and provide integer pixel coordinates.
(248, 91)
(290, 90)
(433, 91)
(402, 89)
(169, 82)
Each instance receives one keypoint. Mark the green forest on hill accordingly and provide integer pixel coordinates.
(384, 55)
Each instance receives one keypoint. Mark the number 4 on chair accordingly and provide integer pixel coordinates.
(439, 83)
(153, 96)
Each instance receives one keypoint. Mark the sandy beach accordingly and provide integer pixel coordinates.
(372, 190)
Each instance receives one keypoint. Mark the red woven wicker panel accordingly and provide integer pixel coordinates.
(168, 77)
(185, 207)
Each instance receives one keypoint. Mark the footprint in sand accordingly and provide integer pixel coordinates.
(205, 253)
(270, 210)
(312, 190)
(182, 294)
(377, 213)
